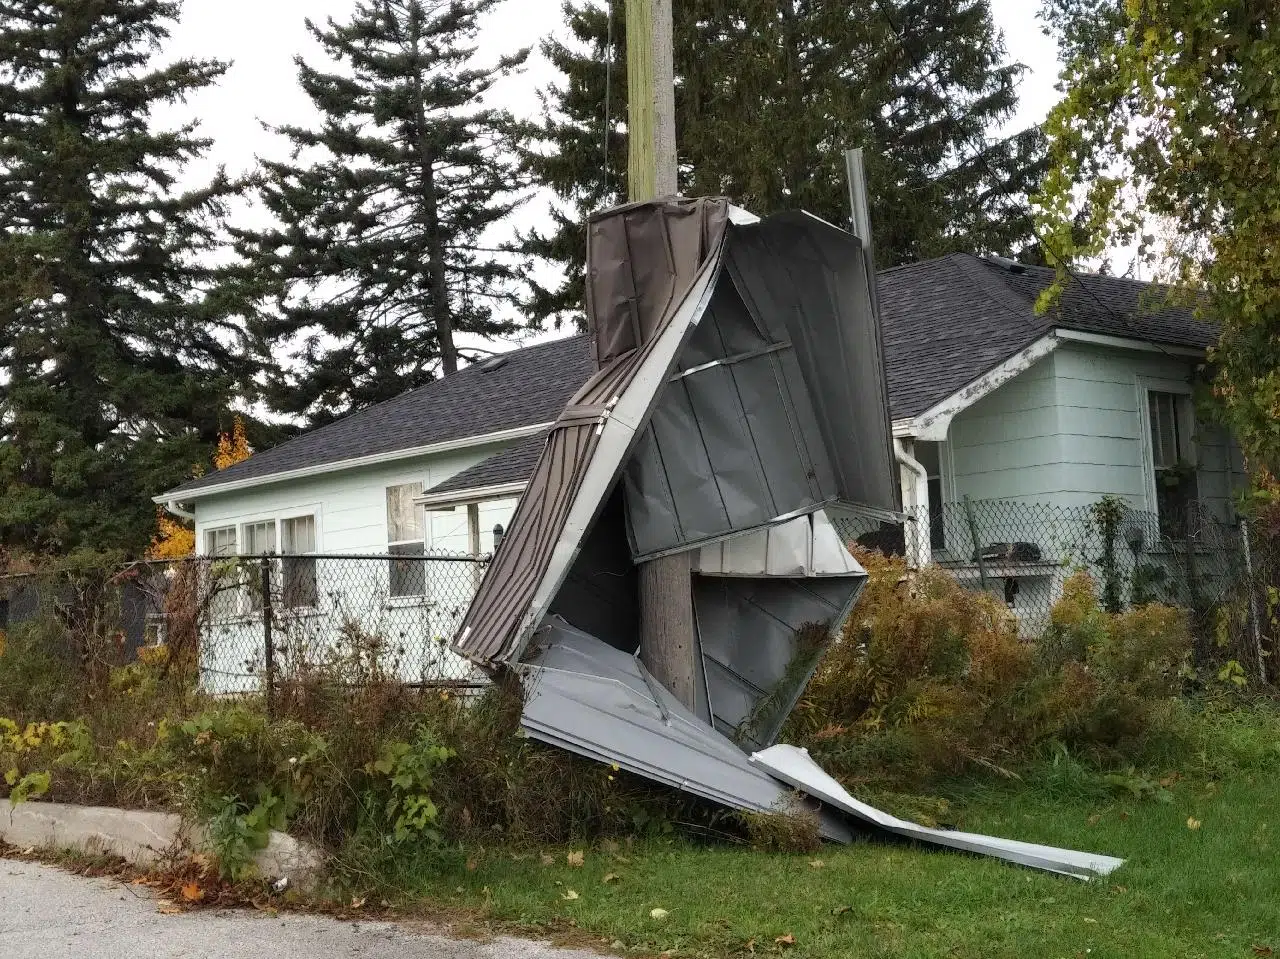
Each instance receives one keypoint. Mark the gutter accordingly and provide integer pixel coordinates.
(172, 507)
(473, 494)
(446, 446)
(922, 555)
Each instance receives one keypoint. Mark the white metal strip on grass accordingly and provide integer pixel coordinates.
(793, 766)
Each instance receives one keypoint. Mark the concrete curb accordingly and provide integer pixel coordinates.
(143, 837)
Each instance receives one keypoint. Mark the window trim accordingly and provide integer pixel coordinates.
(405, 599)
(244, 610)
(1145, 386)
(314, 516)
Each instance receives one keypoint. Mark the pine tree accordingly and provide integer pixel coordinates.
(383, 257)
(117, 363)
(771, 92)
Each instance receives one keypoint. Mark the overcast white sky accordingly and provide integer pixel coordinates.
(261, 38)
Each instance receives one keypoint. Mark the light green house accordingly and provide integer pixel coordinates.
(1036, 418)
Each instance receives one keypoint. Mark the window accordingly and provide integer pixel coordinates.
(220, 542)
(223, 583)
(929, 455)
(405, 537)
(1171, 419)
(259, 540)
(298, 571)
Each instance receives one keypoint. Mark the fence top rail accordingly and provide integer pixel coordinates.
(373, 557)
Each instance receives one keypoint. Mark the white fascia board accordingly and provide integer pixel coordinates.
(473, 494)
(933, 423)
(447, 446)
(904, 427)
(1127, 343)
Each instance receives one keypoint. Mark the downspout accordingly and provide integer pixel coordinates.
(918, 547)
(173, 507)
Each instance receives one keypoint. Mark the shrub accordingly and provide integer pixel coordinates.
(38, 673)
(930, 680)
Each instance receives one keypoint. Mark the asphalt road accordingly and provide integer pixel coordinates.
(53, 915)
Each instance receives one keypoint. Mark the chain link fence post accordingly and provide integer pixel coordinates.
(977, 545)
(268, 641)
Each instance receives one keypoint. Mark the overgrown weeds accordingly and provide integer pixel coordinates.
(931, 682)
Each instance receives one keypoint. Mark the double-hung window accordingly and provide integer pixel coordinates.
(1171, 420)
(222, 583)
(259, 540)
(406, 538)
(298, 570)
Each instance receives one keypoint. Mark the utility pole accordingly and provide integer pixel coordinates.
(668, 643)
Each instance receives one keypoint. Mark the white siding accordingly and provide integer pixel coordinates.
(350, 505)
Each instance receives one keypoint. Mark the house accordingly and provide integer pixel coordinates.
(989, 401)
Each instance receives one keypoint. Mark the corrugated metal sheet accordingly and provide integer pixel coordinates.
(591, 699)
(794, 767)
(651, 269)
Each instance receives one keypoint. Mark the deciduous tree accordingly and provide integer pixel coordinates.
(1170, 135)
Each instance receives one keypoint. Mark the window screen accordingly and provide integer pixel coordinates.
(220, 542)
(223, 584)
(260, 538)
(1177, 490)
(404, 517)
(1167, 443)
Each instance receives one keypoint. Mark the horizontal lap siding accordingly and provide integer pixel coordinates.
(351, 504)
(1070, 430)
(1005, 446)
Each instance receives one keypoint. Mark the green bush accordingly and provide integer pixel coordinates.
(39, 676)
(932, 681)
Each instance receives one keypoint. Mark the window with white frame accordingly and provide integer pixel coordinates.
(298, 570)
(257, 539)
(220, 541)
(223, 583)
(1171, 420)
(406, 537)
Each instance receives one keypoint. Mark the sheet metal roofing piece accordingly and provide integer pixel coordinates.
(793, 766)
(587, 697)
(776, 410)
(651, 269)
(780, 403)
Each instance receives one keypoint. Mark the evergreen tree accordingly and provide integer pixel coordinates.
(116, 363)
(771, 92)
(383, 254)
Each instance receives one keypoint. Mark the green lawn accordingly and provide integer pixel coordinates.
(1211, 891)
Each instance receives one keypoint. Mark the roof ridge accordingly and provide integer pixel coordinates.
(978, 270)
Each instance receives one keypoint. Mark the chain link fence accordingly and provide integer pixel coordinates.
(1023, 553)
(252, 622)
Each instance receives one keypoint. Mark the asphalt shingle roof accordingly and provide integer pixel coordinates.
(946, 322)
(532, 387)
(512, 465)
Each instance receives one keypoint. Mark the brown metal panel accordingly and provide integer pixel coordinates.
(658, 248)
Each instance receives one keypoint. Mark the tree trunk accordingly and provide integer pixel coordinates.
(668, 642)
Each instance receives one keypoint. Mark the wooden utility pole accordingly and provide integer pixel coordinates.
(668, 642)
